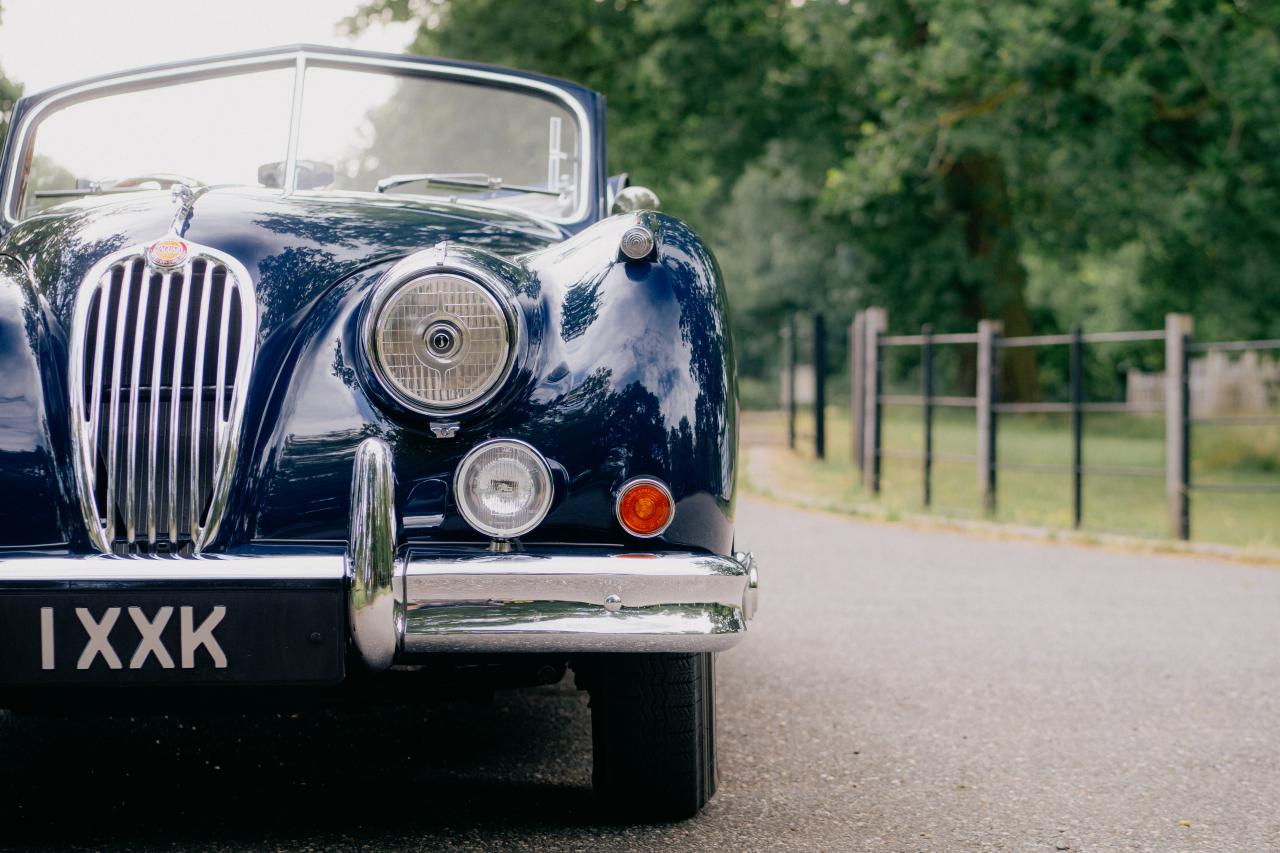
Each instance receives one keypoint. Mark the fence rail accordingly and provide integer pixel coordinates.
(1090, 338)
(922, 400)
(868, 343)
(1232, 346)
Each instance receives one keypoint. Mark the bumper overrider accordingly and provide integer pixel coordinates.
(400, 601)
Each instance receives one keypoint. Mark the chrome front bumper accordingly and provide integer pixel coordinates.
(589, 601)
(421, 599)
(406, 601)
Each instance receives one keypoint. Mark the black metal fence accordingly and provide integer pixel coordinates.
(1186, 349)
(792, 346)
(868, 344)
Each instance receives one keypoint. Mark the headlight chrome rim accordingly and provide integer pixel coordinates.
(460, 494)
(427, 264)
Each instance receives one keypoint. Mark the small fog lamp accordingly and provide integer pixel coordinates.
(645, 507)
(503, 488)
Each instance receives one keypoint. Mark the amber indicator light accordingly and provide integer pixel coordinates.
(645, 508)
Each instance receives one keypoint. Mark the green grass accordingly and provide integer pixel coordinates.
(1126, 504)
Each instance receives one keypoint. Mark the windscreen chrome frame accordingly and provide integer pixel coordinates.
(300, 59)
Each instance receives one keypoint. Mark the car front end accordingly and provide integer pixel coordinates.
(291, 432)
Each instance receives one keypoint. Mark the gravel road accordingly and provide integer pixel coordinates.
(902, 689)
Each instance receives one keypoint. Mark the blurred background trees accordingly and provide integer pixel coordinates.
(1093, 161)
(9, 92)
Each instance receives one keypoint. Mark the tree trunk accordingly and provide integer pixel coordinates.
(976, 190)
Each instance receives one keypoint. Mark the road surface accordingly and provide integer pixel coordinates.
(902, 689)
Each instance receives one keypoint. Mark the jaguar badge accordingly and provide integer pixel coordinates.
(167, 253)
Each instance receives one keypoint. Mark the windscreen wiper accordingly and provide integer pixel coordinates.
(459, 180)
(132, 184)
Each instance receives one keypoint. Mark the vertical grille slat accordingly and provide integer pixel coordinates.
(175, 405)
(153, 430)
(95, 402)
(113, 425)
(197, 394)
(160, 364)
(139, 338)
(220, 384)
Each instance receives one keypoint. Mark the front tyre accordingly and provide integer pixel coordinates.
(653, 734)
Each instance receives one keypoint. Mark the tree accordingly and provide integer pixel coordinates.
(1066, 129)
(687, 81)
(948, 159)
(9, 93)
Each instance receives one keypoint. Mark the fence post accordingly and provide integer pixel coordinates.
(819, 386)
(792, 344)
(1077, 425)
(926, 358)
(1177, 418)
(873, 325)
(856, 354)
(988, 331)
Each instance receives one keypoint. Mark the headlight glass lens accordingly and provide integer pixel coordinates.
(503, 488)
(442, 341)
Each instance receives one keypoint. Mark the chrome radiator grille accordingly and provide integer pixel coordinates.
(160, 364)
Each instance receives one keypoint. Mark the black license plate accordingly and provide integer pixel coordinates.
(172, 636)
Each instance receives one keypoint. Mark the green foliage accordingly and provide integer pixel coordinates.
(1117, 124)
(1092, 161)
(9, 92)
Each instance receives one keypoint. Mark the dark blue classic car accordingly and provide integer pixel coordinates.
(341, 372)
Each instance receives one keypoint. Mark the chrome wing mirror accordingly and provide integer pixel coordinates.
(631, 199)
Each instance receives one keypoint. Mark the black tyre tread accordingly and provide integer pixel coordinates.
(653, 734)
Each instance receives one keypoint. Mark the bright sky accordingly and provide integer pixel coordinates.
(47, 42)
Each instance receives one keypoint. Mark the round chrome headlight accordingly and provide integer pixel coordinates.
(441, 342)
(503, 488)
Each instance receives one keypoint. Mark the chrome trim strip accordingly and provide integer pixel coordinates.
(635, 481)
(197, 393)
(153, 437)
(376, 615)
(222, 567)
(140, 322)
(113, 428)
(21, 136)
(175, 401)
